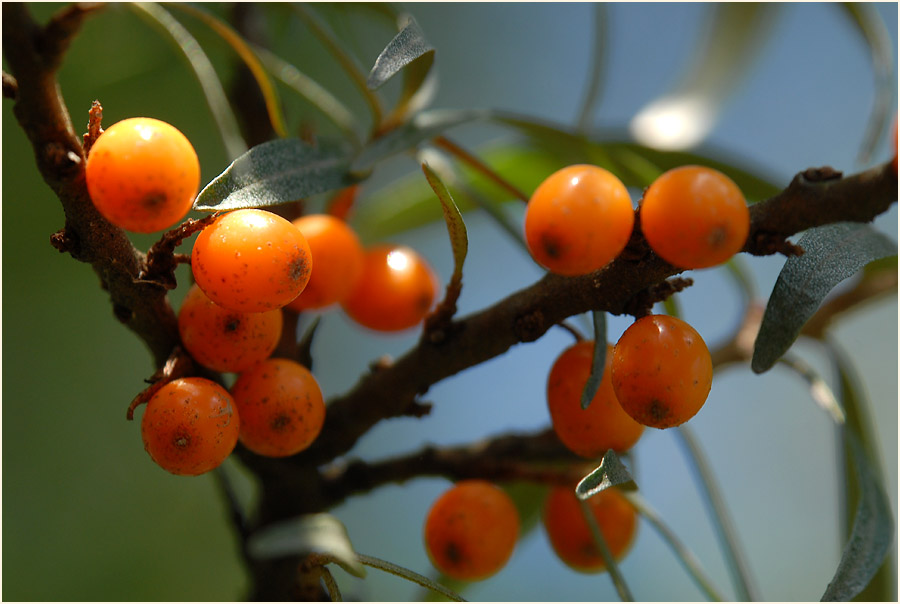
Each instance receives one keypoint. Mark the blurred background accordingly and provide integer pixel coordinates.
(88, 516)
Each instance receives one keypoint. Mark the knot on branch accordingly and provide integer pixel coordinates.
(64, 242)
(162, 260)
(10, 86)
(766, 244)
(64, 162)
(814, 175)
(641, 304)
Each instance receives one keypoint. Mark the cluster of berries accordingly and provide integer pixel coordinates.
(142, 175)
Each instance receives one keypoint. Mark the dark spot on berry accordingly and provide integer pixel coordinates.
(153, 199)
(298, 268)
(181, 441)
(454, 554)
(658, 411)
(232, 323)
(552, 245)
(280, 422)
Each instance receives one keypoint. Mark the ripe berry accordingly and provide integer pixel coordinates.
(142, 175)
(190, 426)
(281, 407)
(571, 536)
(578, 220)
(338, 257)
(251, 261)
(694, 217)
(661, 371)
(471, 530)
(226, 340)
(395, 291)
(603, 425)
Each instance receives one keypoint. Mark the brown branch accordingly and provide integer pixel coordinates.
(524, 316)
(33, 54)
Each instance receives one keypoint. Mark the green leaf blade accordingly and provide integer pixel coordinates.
(456, 228)
(832, 253)
(611, 472)
(405, 48)
(598, 364)
(273, 173)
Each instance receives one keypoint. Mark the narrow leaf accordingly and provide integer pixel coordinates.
(872, 533)
(276, 172)
(409, 575)
(209, 81)
(422, 127)
(597, 73)
(270, 95)
(600, 541)
(611, 472)
(873, 30)
(407, 46)
(456, 228)
(598, 365)
(819, 390)
(308, 534)
(832, 253)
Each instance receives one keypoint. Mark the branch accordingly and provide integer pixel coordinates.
(526, 315)
(33, 55)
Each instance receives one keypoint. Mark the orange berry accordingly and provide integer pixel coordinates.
(281, 407)
(142, 174)
(190, 426)
(571, 536)
(694, 217)
(603, 425)
(395, 291)
(338, 257)
(251, 261)
(578, 220)
(226, 340)
(661, 371)
(471, 530)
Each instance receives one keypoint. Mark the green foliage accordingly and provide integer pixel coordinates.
(598, 363)
(610, 473)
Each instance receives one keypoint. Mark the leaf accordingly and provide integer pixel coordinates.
(819, 390)
(308, 534)
(872, 533)
(268, 91)
(275, 172)
(456, 228)
(597, 72)
(407, 47)
(203, 68)
(832, 253)
(423, 126)
(872, 28)
(598, 364)
(611, 472)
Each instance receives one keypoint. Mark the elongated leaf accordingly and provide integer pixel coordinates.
(597, 73)
(276, 172)
(422, 127)
(819, 390)
(205, 72)
(268, 91)
(456, 228)
(872, 28)
(832, 253)
(407, 47)
(611, 472)
(308, 534)
(598, 364)
(872, 533)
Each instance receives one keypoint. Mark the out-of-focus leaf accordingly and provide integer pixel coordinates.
(407, 47)
(270, 95)
(312, 91)
(276, 172)
(865, 17)
(410, 575)
(597, 63)
(209, 81)
(423, 126)
(635, 165)
(611, 472)
(598, 364)
(872, 533)
(528, 498)
(832, 253)
(682, 118)
(307, 534)
(456, 228)
(819, 390)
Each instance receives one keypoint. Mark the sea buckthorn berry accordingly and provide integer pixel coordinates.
(571, 536)
(226, 340)
(694, 217)
(661, 371)
(142, 174)
(603, 425)
(578, 220)
(281, 407)
(190, 426)
(338, 257)
(395, 291)
(471, 530)
(251, 261)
